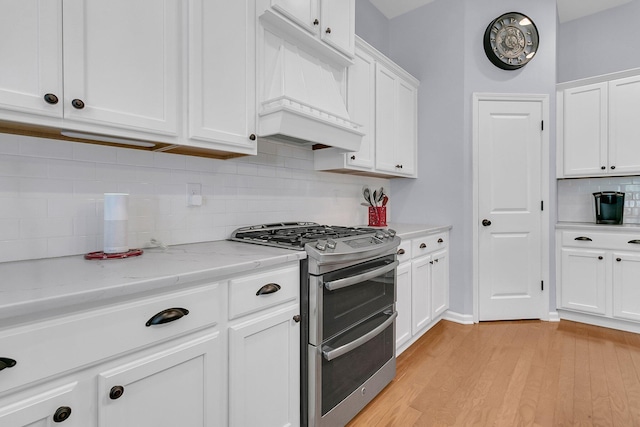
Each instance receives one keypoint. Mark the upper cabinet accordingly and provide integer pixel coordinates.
(382, 98)
(333, 21)
(179, 75)
(597, 135)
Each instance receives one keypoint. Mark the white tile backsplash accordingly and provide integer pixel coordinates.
(51, 194)
(575, 197)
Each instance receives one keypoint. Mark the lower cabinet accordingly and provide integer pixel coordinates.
(422, 286)
(598, 277)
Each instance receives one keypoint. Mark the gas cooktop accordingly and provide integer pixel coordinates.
(295, 235)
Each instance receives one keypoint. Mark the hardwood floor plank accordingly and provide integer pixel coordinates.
(601, 407)
(563, 415)
(545, 409)
(582, 407)
(617, 392)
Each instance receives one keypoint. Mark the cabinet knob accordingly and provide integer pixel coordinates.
(613, 167)
(599, 257)
(297, 318)
(252, 137)
(116, 392)
(316, 22)
(430, 262)
(486, 222)
(328, 30)
(353, 157)
(400, 251)
(5, 362)
(603, 167)
(61, 414)
(269, 288)
(77, 104)
(50, 98)
(618, 259)
(166, 316)
(423, 245)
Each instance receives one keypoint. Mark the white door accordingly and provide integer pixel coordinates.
(509, 209)
(338, 23)
(583, 280)
(624, 102)
(626, 292)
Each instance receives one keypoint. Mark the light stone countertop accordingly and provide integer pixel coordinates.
(409, 231)
(48, 286)
(633, 228)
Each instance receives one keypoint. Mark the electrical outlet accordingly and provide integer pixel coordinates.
(194, 194)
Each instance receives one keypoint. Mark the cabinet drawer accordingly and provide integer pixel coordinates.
(404, 251)
(60, 344)
(600, 240)
(428, 244)
(255, 292)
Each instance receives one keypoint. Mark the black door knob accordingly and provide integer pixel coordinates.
(486, 222)
(116, 392)
(297, 318)
(61, 414)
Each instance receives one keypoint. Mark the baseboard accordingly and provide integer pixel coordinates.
(605, 322)
(554, 316)
(464, 319)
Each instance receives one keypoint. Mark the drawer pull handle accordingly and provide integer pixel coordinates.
(401, 252)
(582, 238)
(168, 315)
(5, 362)
(634, 242)
(440, 241)
(61, 414)
(116, 392)
(269, 288)
(423, 245)
(618, 259)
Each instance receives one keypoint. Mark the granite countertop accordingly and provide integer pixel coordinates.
(46, 285)
(597, 227)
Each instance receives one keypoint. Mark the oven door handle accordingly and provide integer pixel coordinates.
(332, 353)
(354, 280)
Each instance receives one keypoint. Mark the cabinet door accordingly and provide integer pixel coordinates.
(222, 93)
(420, 293)
(626, 286)
(122, 61)
(62, 403)
(403, 304)
(385, 119)
(180, 386)
(583, 283)
(361, 90)
(439, 283)
(624, 132)
(406, 139)
(338, 24)
(31, 46)
(264, 366)
(302, 12)
(584, 139)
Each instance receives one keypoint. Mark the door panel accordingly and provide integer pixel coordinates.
(510, 255)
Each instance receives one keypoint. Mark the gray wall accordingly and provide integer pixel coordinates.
(372, 25)
(599, 44)
(441, 45)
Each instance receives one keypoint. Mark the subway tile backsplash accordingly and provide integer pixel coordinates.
(51, 194)
(575, 197)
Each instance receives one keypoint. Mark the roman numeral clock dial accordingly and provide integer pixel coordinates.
(511, 41)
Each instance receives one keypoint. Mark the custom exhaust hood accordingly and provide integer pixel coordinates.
(302, 88)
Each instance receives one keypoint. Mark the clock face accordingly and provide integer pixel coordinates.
(511, 41)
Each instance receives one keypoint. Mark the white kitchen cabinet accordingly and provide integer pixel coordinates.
(176, 386)
(584, 280)
(222, 78)
(333, 21)
(598, 276)
(422, 286)
(31, 44)
(264, 349)
(626, 285)
(597, 136)
(383, 99)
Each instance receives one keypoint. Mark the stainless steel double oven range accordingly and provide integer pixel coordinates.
(348, 292)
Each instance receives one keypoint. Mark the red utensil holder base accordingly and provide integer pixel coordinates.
(378, 216)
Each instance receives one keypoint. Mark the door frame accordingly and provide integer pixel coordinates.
(543, 99)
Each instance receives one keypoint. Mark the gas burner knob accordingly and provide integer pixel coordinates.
(321, 246)
(379, 235)
(391, 232)
(386, 234)
(331, 244)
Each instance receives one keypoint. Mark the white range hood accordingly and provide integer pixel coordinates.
(301, 90)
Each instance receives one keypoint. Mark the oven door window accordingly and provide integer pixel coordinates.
(345, 306)
(346, 373)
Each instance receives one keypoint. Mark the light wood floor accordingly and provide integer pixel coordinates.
(525, 373)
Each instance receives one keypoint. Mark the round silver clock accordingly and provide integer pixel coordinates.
(511, 41)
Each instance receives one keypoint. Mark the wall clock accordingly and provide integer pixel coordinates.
(511, 41)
